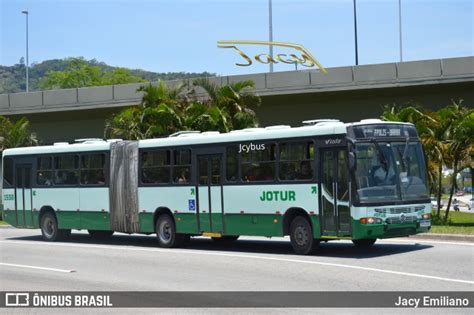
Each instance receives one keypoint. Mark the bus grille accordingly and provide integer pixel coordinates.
(400, 232)
(395, 210)
(406, 219)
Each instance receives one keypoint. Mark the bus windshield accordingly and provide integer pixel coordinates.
(390, 171)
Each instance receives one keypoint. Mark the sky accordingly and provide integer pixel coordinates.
(182, 35)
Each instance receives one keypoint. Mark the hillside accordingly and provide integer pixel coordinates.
(12, 78)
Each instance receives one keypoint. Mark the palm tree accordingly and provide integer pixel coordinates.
(125, 125)
(164, 110)
(16, 134)
(159, 114)
(235, 99)
(160, 93)
(459, 122)
(201, 116)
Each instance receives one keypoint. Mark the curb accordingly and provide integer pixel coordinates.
(5, 226)
(444, 237)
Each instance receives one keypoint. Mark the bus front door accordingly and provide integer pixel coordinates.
(334, 193)
(209, 195)
(23, 196)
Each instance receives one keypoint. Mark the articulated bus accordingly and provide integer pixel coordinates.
(323, 181)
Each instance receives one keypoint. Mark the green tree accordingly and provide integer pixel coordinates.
(80, 73)
(235, 99)
(16, 134)
(125, 125)
(459, 122)
(119, 76)
(165, 110)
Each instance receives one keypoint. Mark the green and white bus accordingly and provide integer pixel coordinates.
(322, 181)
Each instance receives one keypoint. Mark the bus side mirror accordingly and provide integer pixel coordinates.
(352, 161)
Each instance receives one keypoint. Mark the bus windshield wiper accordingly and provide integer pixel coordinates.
(383, 158)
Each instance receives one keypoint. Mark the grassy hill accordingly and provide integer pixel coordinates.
(12, 78)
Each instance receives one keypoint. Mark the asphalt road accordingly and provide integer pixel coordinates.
(135, 263)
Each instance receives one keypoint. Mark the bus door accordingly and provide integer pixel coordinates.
(209, 196)
(334, 193)
(23, 195)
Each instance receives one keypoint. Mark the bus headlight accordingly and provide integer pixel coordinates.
(370, 220)
(426, 216)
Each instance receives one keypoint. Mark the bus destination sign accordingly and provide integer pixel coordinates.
(384, 131)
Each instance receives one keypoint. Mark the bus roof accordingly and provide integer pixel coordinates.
(193, 138)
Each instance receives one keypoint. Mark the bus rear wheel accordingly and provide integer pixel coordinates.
(100, 234)
(166, 233)
(364, 243)
(301, 236)
(50, 230)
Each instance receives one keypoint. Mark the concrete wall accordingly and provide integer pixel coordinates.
(425, 72)
(355, 105)
(289, 109)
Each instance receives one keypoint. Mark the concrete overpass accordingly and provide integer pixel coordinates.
(346, 93)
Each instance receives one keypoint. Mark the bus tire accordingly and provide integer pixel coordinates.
(227, 239)
(166, 233)
(50, 230)
(100, 234)
(365, 243)
(301, 236)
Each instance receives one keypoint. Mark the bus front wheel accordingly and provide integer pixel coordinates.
(50, 230)
(364, 243)
(301, 236)
(166, 232)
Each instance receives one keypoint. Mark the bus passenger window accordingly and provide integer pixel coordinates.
(296, 161)
(44, 171)
(156, 167)
(182, 166)
(182, 175)
(259, 164)
(231, 164)
(66, 170)
(92, 169)
(7, 172)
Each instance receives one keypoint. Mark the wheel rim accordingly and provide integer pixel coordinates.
(165, 232)
(49, 227)
(301, 236)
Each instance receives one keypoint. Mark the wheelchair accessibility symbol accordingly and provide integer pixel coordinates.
(192, 205)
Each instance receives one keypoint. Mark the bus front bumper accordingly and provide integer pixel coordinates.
(385, 230)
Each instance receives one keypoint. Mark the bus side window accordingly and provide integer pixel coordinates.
(92, 169)
(259, 164)
(232, 164)
(296, 161)
(66, 170)
(182, 166)
(44, 171)
(156, 167)
(7, 172)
